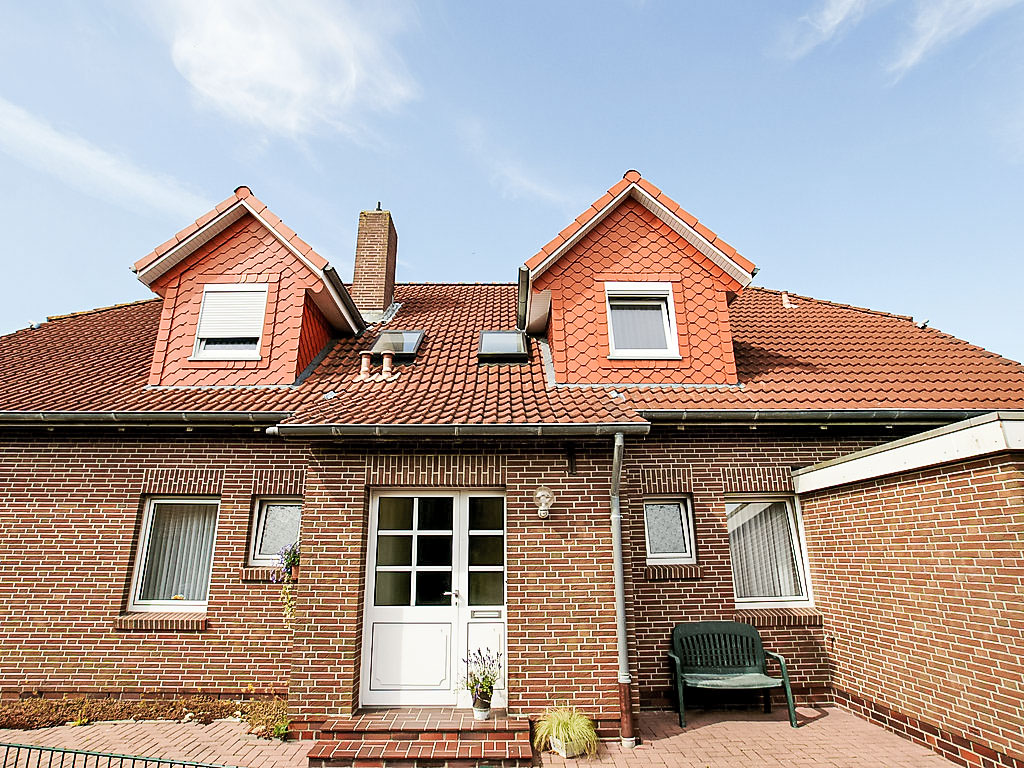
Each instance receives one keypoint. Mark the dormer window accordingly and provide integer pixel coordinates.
(641, 321)
(231, 322)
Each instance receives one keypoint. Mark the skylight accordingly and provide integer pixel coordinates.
(404, 344)
(503, 347)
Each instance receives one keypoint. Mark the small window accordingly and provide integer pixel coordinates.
(503, 347)
(641, 321)
(275, 526)
(767, 557)
(669, 527)
(172, 571)
(404, 344)
(231, 322)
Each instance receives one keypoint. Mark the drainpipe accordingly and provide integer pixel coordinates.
(621, 643)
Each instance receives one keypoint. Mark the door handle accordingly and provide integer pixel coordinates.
(454, 593)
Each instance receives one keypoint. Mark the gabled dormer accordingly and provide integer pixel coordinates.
(245, 301)
(636, 291)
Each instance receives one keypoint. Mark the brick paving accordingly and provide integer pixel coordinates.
(828, 738)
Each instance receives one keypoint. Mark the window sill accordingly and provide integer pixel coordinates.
(224, 359)
(257, 573)
(668, 572)
(161, 622)
(644, 356)
(780, 617)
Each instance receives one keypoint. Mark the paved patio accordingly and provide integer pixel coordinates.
(828, 738)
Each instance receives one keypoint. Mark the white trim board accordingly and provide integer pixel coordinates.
(980, 436)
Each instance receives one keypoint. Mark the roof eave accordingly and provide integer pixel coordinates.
(459, 430)
(848, 416)
(138, 418)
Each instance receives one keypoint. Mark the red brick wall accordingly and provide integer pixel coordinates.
(244, 252)
(920, 580)
(70, 509)
(706, 463)
(633, 244)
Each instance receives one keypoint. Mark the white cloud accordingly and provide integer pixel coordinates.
(816, 28)
(507, 174)
(940, 21)
(95, 171)
(290, 68)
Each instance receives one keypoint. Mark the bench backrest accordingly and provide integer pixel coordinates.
(718, 647)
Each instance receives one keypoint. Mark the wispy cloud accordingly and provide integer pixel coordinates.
(95, 171)
(933, 24)
(938, 22)
(831, 18)
(509, 175)
(289, 68)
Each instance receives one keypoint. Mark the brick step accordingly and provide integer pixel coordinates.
(451, 749)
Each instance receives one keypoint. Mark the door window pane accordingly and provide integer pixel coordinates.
(763, 546)
(394, 550)
(486, 550)
(486, 513)
(434, 550)
(392, 588)
(435, 513)
(431, 586)
(486, 588)
(180, 551)
(395, 513)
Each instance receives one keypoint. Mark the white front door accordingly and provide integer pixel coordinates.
(435, 592)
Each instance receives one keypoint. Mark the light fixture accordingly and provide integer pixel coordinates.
(545, 499)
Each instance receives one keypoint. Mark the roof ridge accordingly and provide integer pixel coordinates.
(867, 310)
(51, 318)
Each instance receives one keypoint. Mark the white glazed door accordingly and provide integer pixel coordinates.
(435, 592)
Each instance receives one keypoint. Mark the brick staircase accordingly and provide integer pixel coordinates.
(423, 738)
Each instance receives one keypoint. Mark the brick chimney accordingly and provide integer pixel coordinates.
(373, 284)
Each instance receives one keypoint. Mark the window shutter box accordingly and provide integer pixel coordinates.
(233, 314)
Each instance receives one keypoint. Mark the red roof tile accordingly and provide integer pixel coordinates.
(815, 355)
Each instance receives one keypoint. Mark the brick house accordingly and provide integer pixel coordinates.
(155, 456)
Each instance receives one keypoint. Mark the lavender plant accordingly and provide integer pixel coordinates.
(483, 670)
(287, 562)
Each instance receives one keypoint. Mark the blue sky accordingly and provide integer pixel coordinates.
(864, 151)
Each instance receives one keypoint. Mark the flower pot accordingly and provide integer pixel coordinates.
(567, 748)
(481, 713)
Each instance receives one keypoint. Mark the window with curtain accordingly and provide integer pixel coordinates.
(176, 555)
(275, 526)
(764, 544)
(641, 320)
(668, 524)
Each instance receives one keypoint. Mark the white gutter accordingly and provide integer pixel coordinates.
(445, 430)
(621, 638)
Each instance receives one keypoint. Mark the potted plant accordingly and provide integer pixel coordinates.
(286, 574)
(566, 731)
(483, 669)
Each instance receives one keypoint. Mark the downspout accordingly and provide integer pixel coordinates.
(621, 640)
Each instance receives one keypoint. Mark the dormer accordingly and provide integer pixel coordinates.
(636, 291)
(245, 301)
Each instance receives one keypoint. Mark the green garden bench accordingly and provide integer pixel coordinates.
(724, 655)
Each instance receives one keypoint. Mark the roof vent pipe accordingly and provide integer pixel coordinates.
(626, 731)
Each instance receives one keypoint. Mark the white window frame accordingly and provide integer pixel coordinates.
(799, 543)
(137, 605)
(643, 290)
(686, 513)
(256, 536)
(198, 353)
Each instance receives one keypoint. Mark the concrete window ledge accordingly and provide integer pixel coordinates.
(257, 573)
(161, 622)
(779, 617)
(671, 572)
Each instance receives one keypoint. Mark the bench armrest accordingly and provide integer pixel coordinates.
(677, 665)
(782, 663)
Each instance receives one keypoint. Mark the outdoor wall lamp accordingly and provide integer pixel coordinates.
(545, 499)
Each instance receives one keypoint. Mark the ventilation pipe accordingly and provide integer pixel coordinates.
(621, 642)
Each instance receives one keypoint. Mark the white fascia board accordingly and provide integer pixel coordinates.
(692, 236)
(980, 436)
(335, 311)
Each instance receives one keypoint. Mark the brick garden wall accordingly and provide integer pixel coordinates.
(921, 583)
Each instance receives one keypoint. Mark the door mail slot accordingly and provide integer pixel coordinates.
(485, 614)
